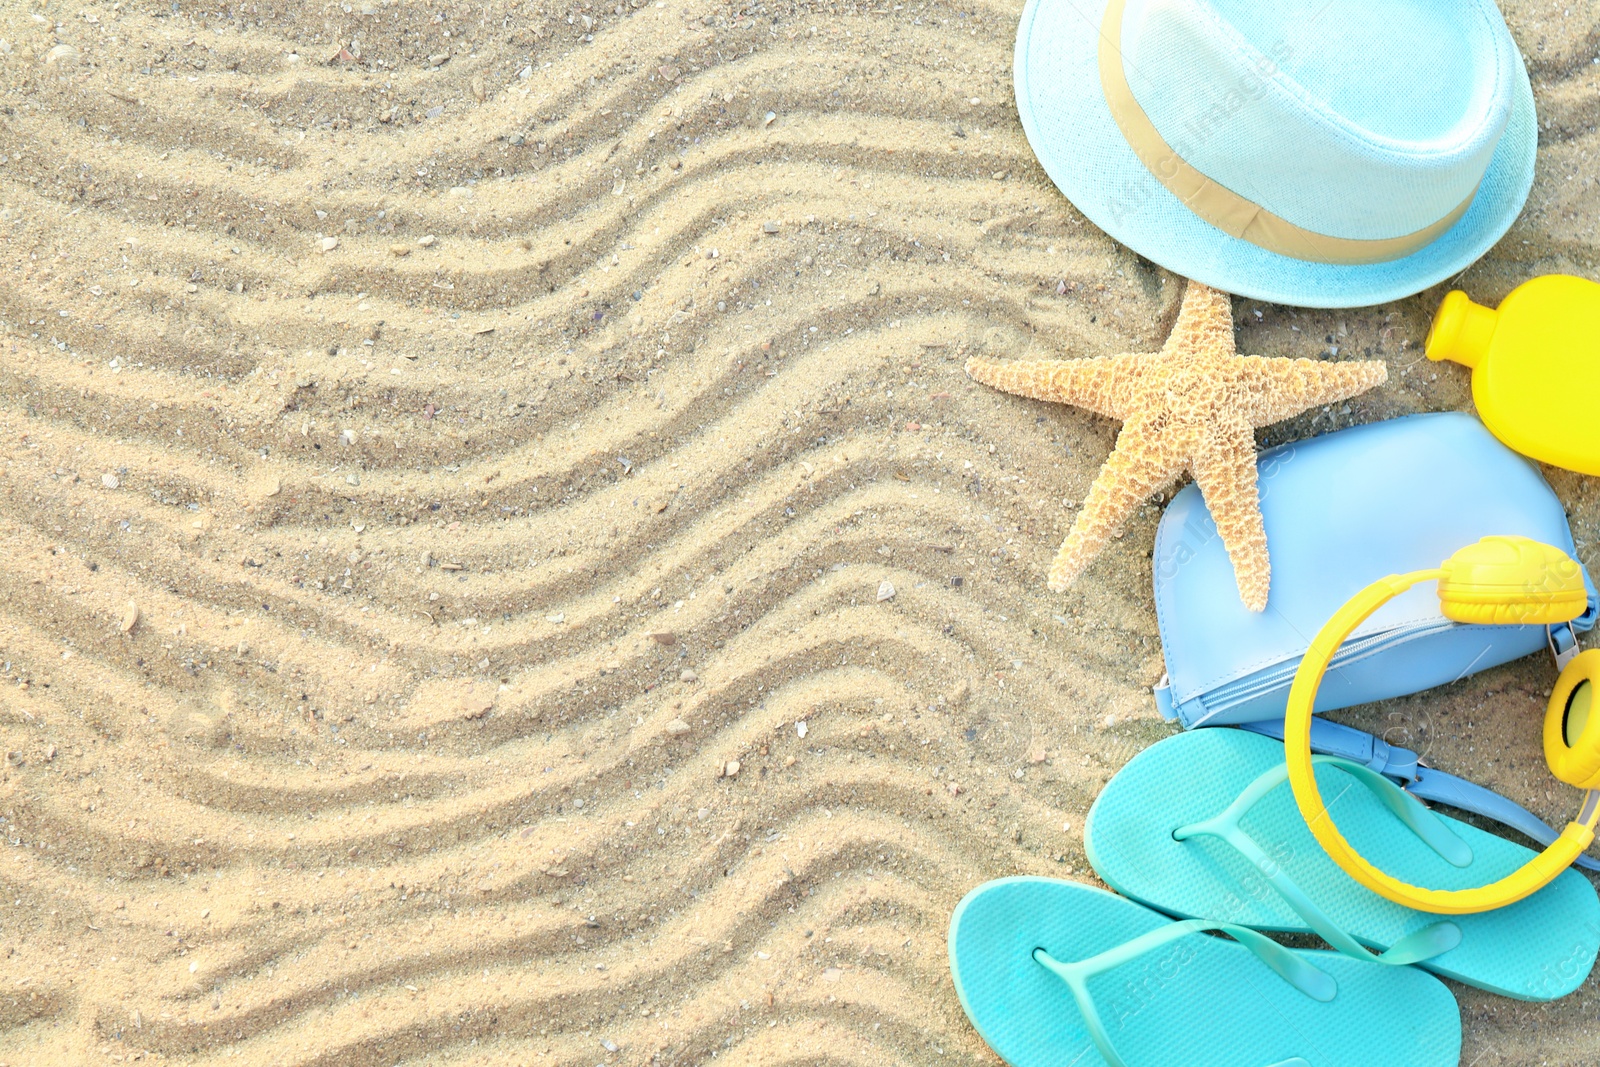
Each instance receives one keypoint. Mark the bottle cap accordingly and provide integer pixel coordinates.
(1461, 330)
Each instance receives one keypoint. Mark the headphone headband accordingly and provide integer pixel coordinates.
(1497, 580)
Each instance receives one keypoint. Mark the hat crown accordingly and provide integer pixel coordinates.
(1347, 118)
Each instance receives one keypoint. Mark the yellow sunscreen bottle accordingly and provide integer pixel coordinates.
(1535, 366)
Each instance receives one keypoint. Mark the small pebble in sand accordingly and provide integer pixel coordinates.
(329, 243)
(885, 590)
(687, 675)
(730, 769)
(665, 637)
(427, 241)
(772, 116)
(110, 481)
(677, 728)
(801, 728)
(353, 479)
(769, 227)
(130, 618)
(557, 618)
(399, 250)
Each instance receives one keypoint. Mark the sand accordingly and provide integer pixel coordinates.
(426, 475)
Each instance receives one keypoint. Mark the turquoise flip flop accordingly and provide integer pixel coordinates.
(1058, 974)
(1204, 825)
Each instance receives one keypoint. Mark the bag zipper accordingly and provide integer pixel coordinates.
(1251, 686)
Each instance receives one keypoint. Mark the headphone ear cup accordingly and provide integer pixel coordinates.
(1529, 612)
(1511, 581)
(1572, 723)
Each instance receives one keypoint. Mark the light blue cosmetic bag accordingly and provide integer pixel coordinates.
(1342, 511)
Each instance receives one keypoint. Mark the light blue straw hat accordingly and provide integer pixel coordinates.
(1324, 153)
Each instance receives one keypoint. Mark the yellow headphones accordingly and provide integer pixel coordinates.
(1498, 581)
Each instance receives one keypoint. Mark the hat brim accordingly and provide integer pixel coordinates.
(1070, 128)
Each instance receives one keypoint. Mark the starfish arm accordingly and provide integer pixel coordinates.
(1204, 323)
(1137, 468)
(1282, 388)
(1225, 469)
(1093, 383)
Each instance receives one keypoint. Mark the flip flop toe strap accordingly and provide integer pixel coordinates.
(1291, 967)
(1423, 944)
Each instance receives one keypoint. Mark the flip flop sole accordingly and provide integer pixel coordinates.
(1538, 949)
(1200, 1000)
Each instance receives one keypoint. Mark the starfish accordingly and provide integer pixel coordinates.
(1193, 408)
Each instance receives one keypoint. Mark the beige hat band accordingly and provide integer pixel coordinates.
(1221, 206)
